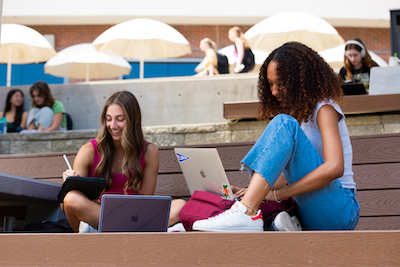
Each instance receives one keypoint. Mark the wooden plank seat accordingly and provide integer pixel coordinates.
(352, 104)
(308, 248)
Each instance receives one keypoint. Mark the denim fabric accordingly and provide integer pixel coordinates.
(284, 147)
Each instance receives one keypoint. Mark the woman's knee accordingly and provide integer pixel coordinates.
(177, 204)
(74, 200)
(280, 118)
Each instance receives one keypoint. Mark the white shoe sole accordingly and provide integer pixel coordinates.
(226, 229)
(283, 222)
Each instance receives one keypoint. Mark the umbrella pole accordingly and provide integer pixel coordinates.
(87, 72)
(8, 74)
(141, 72)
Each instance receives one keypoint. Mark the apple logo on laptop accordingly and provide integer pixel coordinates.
(135, 218)
(202, 174)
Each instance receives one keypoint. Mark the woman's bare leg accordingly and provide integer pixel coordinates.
(31, 126)
(78, 207)
(176, 206)
(256, 192)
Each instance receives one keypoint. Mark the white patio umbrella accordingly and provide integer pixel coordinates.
(142, 39)
(334, 57)
(83, 61)
(21, 45)
(308, 29)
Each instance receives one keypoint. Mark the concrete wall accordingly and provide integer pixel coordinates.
(163, 101)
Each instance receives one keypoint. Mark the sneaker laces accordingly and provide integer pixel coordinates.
(224, 214)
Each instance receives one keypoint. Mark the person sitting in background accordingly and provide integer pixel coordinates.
(244, 56)
(47, 114)
(14, 111)
(210, 60)
(357, 63)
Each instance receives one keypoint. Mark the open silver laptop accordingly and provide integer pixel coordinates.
(134, 213)
(203, 171)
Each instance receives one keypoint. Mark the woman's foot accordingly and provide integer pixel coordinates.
(283, 222)
(232, 220)
(86, 228)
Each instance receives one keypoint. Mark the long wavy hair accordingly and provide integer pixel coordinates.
(43, 90)
(304, 79)
(20, 109)
(132, 142)
(238, 31)
(366, 60)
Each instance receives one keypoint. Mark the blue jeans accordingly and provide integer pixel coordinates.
(284, 147)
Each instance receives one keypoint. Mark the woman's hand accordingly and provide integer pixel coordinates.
(68, 173)
(238, 192)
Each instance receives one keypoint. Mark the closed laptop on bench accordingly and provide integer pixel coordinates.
(134, 213)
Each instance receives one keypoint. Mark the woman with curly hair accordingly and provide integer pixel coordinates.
(304, 153)
(357, 63)
(121, 155)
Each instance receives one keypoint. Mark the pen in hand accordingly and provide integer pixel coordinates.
(66, 161)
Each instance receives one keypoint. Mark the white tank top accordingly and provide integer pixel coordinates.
(313, 133)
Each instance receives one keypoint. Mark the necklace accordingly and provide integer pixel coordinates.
(119, 158)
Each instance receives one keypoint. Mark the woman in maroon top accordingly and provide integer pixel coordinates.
(121, 155)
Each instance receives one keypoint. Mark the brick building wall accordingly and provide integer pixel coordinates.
(376, 39)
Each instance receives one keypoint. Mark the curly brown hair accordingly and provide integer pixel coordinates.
(304, 79)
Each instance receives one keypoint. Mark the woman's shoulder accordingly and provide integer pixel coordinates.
(211, 52)
(58, 107)
(86, 152)
(152, 148)
(87, 149)
(329, 102)
(24, 115)
(151, 151)
(58, 103)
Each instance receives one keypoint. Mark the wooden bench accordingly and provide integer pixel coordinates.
(357, 104)
(376, 167)
(376, 242)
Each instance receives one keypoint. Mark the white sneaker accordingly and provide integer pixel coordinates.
(178, 227)
(232, 220)
(86, 228)
(283, 222)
